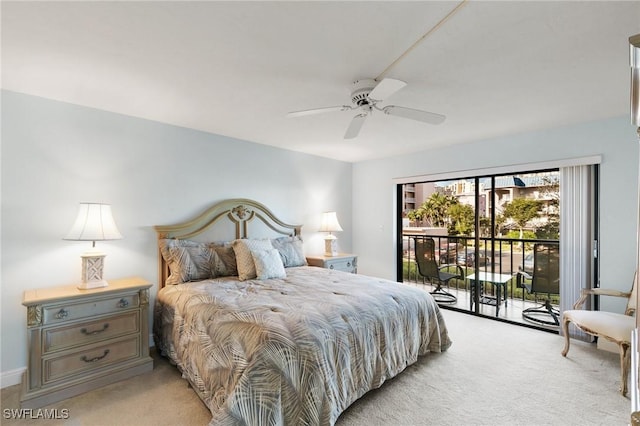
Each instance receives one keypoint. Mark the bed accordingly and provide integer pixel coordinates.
(285, 343)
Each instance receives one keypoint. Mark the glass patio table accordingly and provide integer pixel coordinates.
(499, 281)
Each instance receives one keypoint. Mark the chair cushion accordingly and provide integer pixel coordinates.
(614, 326)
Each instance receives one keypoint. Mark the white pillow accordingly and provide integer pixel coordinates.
(244, 260)
(268, 264)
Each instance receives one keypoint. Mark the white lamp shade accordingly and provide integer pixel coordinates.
(94, 223)
(330, 222)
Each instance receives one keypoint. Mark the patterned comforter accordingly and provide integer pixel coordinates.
(297, 350)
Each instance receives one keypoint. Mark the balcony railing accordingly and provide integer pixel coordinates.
(498, 255)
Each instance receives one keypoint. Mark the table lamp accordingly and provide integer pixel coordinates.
(330, 224)
(94, 223)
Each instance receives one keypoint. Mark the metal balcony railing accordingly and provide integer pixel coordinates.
(498, 255)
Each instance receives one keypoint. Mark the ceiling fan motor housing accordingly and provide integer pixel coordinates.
(360, 90)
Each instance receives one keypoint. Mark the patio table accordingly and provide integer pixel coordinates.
(499, 281)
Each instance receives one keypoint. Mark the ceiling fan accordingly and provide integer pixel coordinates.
(365, 95)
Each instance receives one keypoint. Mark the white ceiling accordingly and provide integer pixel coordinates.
(237, 68)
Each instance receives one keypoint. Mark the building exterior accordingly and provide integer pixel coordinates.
(541, 186)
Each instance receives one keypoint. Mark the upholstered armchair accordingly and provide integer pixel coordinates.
(612, 326)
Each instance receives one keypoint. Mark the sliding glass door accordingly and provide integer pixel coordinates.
(495, 241)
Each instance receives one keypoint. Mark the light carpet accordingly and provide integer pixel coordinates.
(493, 374)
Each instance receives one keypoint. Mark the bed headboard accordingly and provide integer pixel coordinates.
(224, 221)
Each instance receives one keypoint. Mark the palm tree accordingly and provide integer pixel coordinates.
(436, 208)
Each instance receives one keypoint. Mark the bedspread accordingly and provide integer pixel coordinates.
(297, 350)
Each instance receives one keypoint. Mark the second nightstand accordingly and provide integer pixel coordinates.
(342, 262)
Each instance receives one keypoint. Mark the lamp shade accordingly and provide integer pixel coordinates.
(94, 223)
(330, 222)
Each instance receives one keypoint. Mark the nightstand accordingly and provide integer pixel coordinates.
(79, 340)
(342, 262)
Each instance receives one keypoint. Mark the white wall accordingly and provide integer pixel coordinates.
(55, 155)
(614, 139)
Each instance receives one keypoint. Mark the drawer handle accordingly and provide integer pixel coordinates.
(96, 359)
(62, 313)
(330, 266)
(94, 332)
(123, 303)
(348, 264)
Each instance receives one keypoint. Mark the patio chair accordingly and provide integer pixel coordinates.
(544, 279)
(436, 275)
(612, 326)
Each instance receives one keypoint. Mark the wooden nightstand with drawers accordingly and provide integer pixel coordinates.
(79, 340)
(342, 262)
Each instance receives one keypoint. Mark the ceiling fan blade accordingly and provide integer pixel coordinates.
(414, 114)
(355, 126)
(386, 88)
(318, 111)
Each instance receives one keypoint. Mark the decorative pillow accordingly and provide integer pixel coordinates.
(244, 260)
(225, 261)
(268, 264)
(188, 260)
(290, 249)
(180, 265)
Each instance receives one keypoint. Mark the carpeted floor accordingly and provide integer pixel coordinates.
(493, 374)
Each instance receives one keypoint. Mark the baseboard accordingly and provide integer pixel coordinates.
(13, 377)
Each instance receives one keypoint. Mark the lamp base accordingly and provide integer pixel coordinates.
(92, 284)
(92, 267)
(331, 246)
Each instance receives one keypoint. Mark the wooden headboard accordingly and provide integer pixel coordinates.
(224, 221)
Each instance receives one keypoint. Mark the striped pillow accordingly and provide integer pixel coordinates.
(188, 260)
(290, 249)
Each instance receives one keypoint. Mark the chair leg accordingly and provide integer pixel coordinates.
(625, 361)
(442, 296)
(625, 357)
(567, 340)
(540, 313)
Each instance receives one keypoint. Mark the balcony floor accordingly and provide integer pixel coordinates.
(512, 313)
